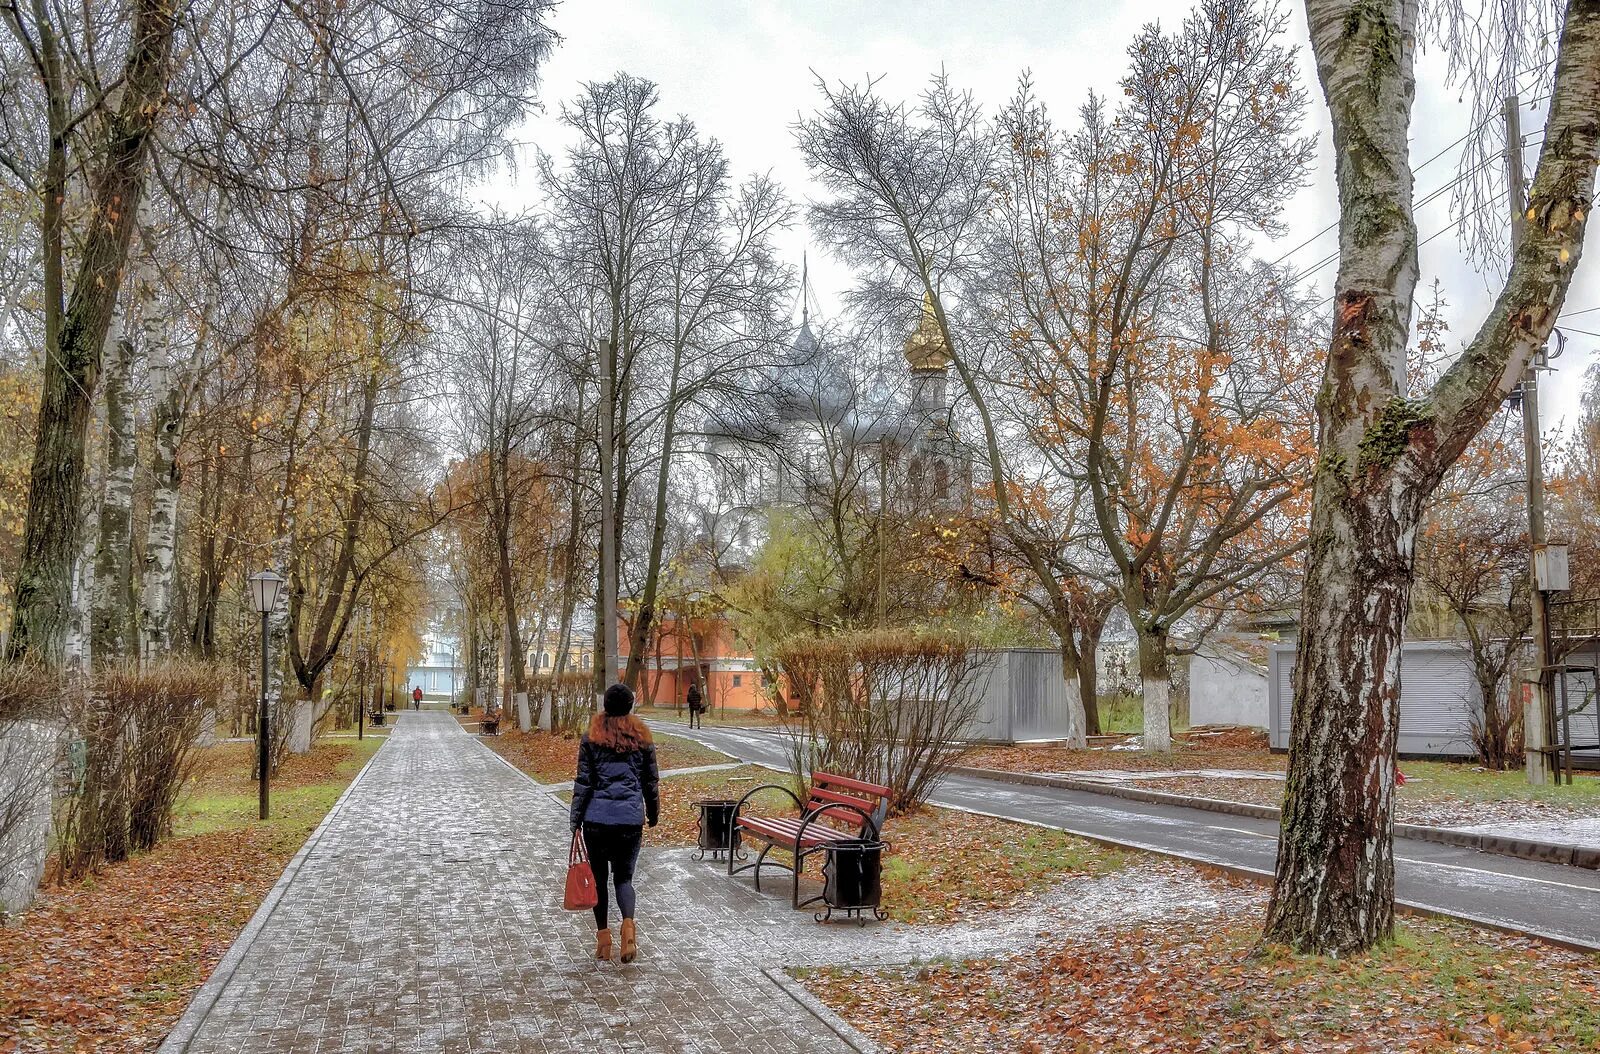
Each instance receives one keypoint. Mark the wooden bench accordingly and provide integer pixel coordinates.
(838, 809)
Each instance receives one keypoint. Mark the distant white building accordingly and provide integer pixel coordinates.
(1228, 683)
(438, 670)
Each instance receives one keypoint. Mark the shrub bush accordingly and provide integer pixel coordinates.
(571, 697)
(138, 728)
(887, 707)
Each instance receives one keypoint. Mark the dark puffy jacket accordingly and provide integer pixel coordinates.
(615, 787)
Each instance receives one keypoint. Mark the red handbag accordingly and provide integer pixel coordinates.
(581, 894)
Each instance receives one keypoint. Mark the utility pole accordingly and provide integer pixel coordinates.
(1538, 728)
(608, 515)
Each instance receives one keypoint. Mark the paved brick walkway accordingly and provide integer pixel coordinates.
(426, 917)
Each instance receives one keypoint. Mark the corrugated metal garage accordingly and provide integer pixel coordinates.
(1439, 699)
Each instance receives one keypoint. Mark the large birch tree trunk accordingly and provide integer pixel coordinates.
(76, 323)
(110, 620)
(1383, 451)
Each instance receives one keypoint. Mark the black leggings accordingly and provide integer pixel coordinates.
(613, 847)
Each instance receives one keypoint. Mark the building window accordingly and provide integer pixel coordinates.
(544, 660)
(941, 480)
(738, 679)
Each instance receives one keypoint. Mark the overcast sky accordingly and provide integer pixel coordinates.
(743, 69)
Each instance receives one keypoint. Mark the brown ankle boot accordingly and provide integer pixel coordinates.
(602, 945)
(630, 943)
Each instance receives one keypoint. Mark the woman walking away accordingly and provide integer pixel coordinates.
(614, 796)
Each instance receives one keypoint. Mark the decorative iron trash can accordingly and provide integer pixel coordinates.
(852, 879)
(717, 832)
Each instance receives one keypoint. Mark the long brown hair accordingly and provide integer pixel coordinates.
(621, 734)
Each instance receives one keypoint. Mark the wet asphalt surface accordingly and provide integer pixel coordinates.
(1552, 901)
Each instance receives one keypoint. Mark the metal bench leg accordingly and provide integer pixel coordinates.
(763, 855)
(799, 863)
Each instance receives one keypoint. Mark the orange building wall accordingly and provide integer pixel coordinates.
(664, 684)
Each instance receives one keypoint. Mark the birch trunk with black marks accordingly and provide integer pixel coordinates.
(80, 599)
(1383, 451)
(110, 614)
(161, 533)
(175, 383)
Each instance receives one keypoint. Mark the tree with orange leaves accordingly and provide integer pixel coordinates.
(1166, 381)
(1141, 388)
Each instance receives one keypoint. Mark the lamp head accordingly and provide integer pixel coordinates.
(264, 589)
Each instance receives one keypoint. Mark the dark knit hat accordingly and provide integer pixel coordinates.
(619, 700)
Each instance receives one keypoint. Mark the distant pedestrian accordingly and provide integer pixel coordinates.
(697, 707)
(416, 698)
(614, 796)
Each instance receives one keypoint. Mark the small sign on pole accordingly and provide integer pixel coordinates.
(1550, 567)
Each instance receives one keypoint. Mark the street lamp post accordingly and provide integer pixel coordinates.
(264, 589)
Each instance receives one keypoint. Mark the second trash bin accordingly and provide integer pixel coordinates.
(717, 833)
(852, 879)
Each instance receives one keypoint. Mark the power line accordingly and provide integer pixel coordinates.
(1431, 197)
(1442, 230)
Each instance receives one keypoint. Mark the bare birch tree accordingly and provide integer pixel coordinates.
(1384, 448)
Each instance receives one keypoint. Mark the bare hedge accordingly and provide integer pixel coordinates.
(571, 697)
(888, 707)
(136, 730)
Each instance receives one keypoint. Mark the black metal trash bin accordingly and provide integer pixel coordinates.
(852, 879)
(717, 832)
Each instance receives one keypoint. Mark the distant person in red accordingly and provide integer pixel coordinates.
(416, 698)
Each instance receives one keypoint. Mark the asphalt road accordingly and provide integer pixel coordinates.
(1551, 901)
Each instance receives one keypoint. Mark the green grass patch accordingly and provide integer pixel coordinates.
(295, 809)
(1125, 714)
(944, 864)
(1466, 782)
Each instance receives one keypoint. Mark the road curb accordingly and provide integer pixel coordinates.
(1500, 845)
(205, 998)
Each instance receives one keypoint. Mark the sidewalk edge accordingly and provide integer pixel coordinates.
(834, 1023)
(205, 998)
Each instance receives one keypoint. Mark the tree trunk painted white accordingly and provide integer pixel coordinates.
(1383, 450)
(302, 719)
(1077, 719)
(524, 715)
(1155, 680)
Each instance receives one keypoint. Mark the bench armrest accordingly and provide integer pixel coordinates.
(766, 786)
(869, 826)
